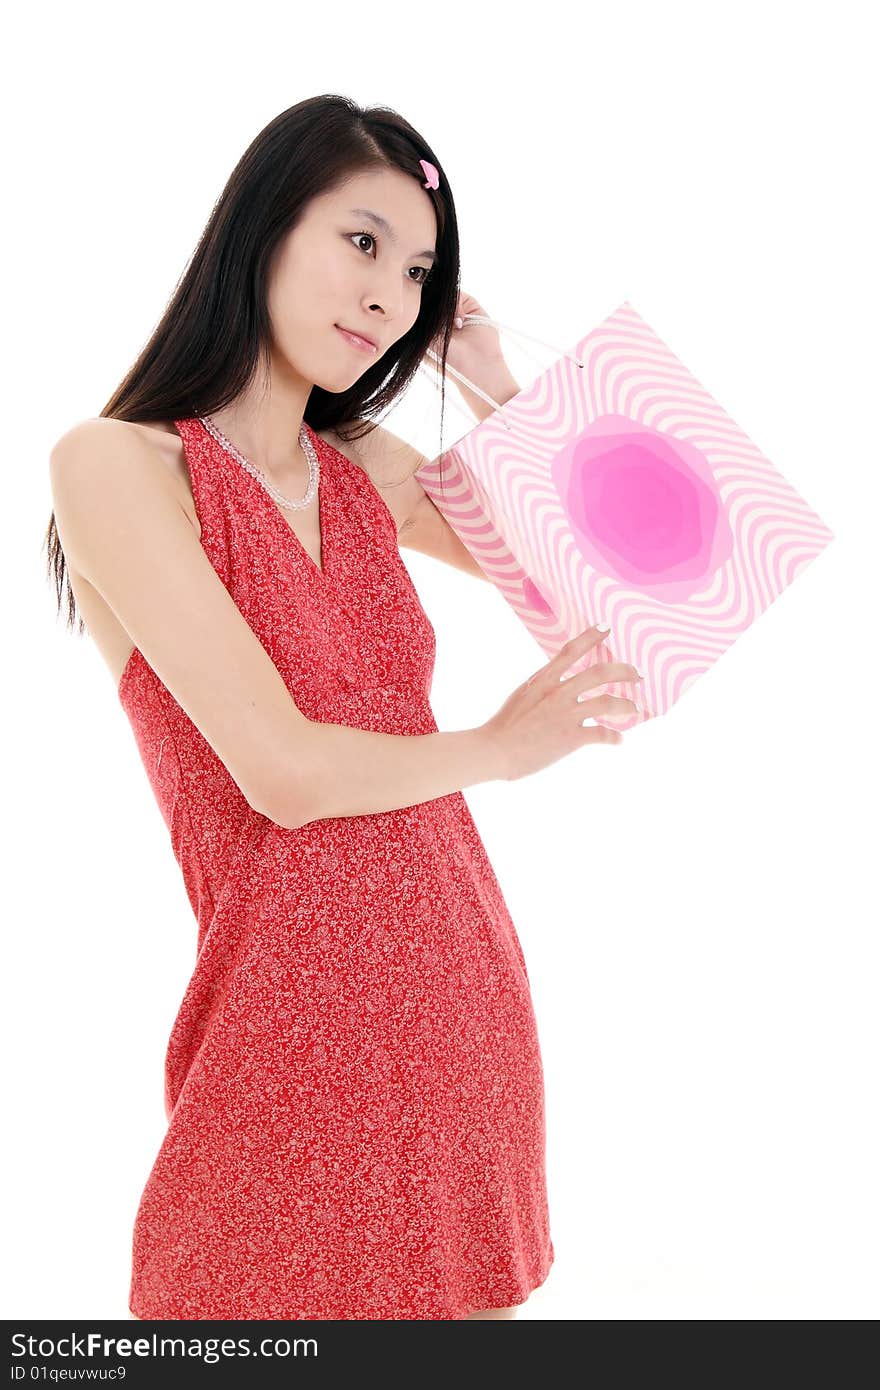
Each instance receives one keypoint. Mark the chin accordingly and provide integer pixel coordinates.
(336, 385)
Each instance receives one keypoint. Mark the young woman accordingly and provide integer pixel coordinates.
(353, 1082)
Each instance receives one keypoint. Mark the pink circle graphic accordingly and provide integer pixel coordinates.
(643, 507)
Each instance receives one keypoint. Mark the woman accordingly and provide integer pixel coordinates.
(353, 1081)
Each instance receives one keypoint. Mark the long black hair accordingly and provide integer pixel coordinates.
(215, 333)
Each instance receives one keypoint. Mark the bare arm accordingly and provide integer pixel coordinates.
(391, 464)
(124, 530)
(353, 772)
(427, 530)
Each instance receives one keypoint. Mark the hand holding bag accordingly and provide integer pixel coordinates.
(614, 490)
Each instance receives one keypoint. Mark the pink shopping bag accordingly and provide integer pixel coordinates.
(615, 490)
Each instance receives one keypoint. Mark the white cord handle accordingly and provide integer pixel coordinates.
(483, 318)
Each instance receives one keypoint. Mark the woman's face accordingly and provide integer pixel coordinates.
(341, 268)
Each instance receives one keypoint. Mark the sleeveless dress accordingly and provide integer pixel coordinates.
(353, 1083)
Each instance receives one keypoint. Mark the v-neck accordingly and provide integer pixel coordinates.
(322, 573)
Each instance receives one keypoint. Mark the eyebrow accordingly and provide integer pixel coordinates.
(387, 228)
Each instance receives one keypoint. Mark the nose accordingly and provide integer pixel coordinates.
(388, 303)
(380, 312)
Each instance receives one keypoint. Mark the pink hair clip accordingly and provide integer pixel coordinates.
(431, 174)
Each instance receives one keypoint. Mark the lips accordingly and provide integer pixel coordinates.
(364, 337)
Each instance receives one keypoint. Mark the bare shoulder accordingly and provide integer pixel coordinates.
(84, 431)
(159, 440)
(103, 427)
(390, 463)
(87, 466)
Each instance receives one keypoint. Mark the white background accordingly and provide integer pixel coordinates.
(697, 906)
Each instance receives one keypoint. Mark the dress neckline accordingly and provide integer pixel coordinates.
(323, 573)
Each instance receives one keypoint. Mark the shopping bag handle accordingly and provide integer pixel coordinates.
(484, 318)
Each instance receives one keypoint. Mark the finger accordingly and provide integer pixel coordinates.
(591, 705)
(568, 654)
(599, 733)
(582, 641)
(577, 649)
(608, 673)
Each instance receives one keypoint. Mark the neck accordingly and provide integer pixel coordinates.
(264, 426)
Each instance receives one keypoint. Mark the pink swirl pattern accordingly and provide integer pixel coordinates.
(624, 495)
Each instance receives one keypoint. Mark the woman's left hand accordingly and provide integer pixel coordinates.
(474, 348)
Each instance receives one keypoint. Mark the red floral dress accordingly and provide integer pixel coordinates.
(353, 1082)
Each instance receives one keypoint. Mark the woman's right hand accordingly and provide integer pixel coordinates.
(541, 721)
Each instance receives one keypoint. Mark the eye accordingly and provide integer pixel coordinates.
(423, 270)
